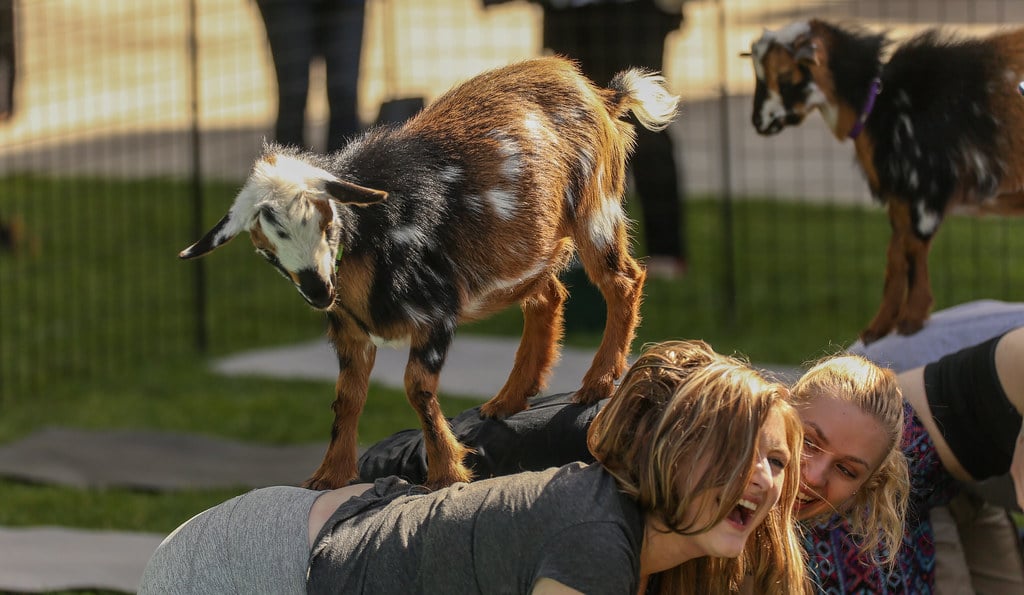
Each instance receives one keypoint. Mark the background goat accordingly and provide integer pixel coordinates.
(472, 205)
(937, 126)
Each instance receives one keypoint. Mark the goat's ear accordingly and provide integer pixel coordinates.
(353, 194)
(219, 235)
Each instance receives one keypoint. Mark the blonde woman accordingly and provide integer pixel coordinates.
(690, 491)
(855, 483)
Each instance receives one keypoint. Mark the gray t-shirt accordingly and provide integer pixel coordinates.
(499, 535)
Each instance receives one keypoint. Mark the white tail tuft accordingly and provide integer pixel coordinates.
(655, 107)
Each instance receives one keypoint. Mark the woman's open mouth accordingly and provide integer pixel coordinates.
(742, 513)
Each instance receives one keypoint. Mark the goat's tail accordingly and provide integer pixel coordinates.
(644, 93)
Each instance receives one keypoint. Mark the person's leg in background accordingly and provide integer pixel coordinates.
(289, 25)
(991, 544)
(340, 39)
(8, 59)
(952, 575)
(606, 39)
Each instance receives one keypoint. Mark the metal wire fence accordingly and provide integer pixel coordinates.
(133, 124)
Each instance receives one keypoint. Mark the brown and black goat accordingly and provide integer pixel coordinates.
(473, 205)
(937, 127)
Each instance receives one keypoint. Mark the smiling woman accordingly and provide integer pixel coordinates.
(691, 492)
(852, 466)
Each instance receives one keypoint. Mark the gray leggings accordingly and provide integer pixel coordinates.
(254, 543)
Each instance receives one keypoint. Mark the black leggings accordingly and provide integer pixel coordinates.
(971, 410)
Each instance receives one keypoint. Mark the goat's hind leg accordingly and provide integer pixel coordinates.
(897, 274)
(616, 273)
(543, 323)
(445, 453)
(919, 295)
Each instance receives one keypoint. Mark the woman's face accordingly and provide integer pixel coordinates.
(728, 538)
(843, 446)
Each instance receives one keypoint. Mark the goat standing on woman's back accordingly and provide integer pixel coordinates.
(937, 126)
(473, 205)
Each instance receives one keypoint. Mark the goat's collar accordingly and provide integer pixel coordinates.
(337, 258)
(869, 104)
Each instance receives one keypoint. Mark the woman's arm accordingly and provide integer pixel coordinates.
(547, 586)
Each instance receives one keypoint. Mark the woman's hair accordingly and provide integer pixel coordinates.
(685, 420)
(876, 515)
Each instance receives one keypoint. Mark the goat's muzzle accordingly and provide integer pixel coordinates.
(775, 125)
(316, 291)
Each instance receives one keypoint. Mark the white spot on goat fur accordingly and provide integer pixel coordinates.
(409, 235)
(536, 126)
(587, 161)
(912, 180)
(417, 316)
(605, 221)
(450, 174)
(977, 161)
(927, 220)
(396, 342)
(512, 166)
(474, 306)
(502, 202)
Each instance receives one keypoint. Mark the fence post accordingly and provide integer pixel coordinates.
(199, 269)
(728, 250)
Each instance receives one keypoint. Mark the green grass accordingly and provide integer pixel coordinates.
(97, 328)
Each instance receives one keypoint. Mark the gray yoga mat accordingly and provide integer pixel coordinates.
(152, 460)
(43, 559)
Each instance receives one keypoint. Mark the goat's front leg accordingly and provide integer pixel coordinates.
(355, 361)
(444, 452)
(897, 273)
(543, 324)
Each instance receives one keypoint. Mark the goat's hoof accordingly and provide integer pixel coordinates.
(459, 474)
(323, 483)
(870, 335)
(590, 394)
(495, 409)
(909, 327)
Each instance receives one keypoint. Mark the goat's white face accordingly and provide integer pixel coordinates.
(785, 91)
(294, 234)
(288, 208)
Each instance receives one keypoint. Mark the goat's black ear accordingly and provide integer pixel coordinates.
(353, 194)
(219, 235)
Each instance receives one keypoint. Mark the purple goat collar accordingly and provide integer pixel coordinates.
(869, 104)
